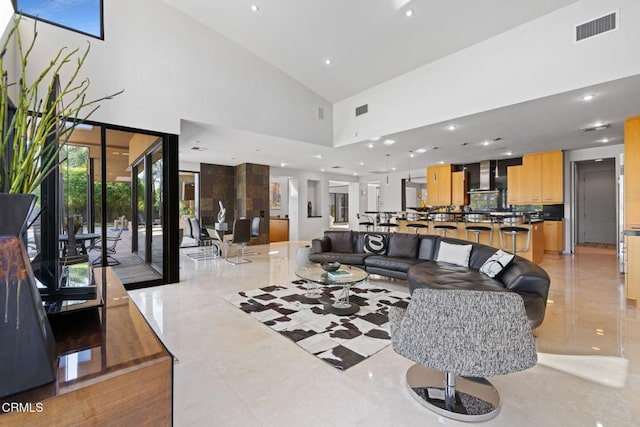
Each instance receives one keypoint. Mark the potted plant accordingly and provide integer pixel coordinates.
(36, 120)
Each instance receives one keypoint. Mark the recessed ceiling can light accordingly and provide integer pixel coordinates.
(421, 150)
(389, 142)
(355, 174)
(508, 153)
(409, 13)
(255, 8)
(321, 170)
(283, 164)
(361, 163)
(376, 138)
(370, 145)
(587, 97)
(452, 127)
(327, 61)
(486, 143)
(318, 156)
(441, 162)
(605, 140)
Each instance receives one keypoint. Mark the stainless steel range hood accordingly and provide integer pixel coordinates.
(487, 179)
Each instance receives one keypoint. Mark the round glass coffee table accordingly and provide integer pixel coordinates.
(317, 276)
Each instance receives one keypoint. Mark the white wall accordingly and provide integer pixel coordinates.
(534, 60)
(173, 68)
(570, 186)
(310, 228)
(390, 195)
(189, 166)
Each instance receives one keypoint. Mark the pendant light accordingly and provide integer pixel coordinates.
(497, 173)
(388, 169)
(410, 156)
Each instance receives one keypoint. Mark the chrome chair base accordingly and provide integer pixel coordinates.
(452, 396)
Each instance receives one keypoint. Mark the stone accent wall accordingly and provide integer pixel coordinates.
(217, 183)
(244, 191)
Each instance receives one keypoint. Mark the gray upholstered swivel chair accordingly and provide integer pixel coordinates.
(241, 235)
(457, 337)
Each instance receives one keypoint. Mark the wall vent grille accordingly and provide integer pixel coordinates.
(597, 26)
(363, 109)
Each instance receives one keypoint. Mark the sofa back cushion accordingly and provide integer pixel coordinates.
(427, 247)
(375, 243)
(341, 241)
(403, 245)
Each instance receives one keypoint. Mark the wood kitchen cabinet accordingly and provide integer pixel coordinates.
(553, 236)
(552, 177)
(531, 179)
(459, 188)
(439, 185)
(539, 181)
(632, 207)
(514, 187)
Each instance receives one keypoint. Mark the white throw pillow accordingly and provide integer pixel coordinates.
(454, 254)
(496, 263)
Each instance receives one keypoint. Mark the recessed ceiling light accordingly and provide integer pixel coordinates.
(355, 173)
(393, 169)
(255, 8)
(597, 160)
(361, 163)
(441, 162)
(411, 154)
(508, 153)
(452, 127)
(318, 156)
(604, 140)
(327, 61)
(321, 170)
(283, 164)
(587, 97)
(421, 150)
(486, 143)
(389, 142)
(376, 138)
(408, 13)
(370, 145)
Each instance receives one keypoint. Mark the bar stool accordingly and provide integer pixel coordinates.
(388, 224)
(416, 227)
(514, 230)
(444, 228)
(366, 221)
(477, 228)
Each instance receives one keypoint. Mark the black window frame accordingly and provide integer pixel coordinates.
(55, 24)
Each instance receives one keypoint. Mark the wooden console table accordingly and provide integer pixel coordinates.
(111, 370)
(278, 229)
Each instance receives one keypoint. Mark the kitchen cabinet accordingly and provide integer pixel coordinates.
(554, 236)
(278, 230)
(439, 185)
(514, 187)
(459, 188)
(632, 207)
(552, 178)
(539, 181)
(631, 172)
(531, 178)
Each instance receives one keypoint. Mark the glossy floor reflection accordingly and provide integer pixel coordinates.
(234, 371)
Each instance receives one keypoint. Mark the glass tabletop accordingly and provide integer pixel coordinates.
(315, 273)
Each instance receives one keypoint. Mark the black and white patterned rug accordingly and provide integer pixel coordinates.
(341, 341)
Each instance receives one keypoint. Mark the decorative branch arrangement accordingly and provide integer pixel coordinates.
(34, 129)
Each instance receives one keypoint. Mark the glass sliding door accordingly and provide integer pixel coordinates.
(140, 211)
(157, 208)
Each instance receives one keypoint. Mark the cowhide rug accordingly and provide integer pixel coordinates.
(341, 341)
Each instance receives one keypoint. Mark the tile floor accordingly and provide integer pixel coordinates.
(234, 371)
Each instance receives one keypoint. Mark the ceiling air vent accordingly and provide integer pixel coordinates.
(601, 126)
(598, 26)
(196, 148)
(363, 109)
(336, 167)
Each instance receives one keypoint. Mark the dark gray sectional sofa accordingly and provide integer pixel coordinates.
(414, 257)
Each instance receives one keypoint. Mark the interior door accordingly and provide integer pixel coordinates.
(597, 205)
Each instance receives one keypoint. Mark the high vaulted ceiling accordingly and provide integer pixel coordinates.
(372, 41)
(367, 41)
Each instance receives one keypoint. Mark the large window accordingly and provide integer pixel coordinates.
(84, 16)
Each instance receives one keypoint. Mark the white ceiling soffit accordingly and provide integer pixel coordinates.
(367, 41)
(550, 123)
